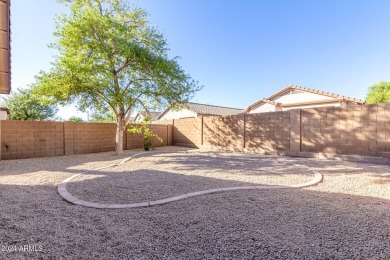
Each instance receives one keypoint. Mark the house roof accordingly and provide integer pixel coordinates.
(265, 100)
(203, 109)
(310, 90)
(153, 115)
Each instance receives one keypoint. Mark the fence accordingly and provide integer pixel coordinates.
(27, 139)
(350, 130)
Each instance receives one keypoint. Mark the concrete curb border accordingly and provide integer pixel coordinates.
(74, 200)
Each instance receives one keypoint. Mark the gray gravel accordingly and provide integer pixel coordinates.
(163, 175)
(345, 217)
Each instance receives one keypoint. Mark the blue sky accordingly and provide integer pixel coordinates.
(241, 51)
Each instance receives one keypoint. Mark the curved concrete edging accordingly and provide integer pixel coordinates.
(72, 199)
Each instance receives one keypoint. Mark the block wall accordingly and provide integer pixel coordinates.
(355, 130)
(267, 131)
(164, 132)
(348, 130)
(93, 137)
(224, 132)
(27, 139)
(187, 132)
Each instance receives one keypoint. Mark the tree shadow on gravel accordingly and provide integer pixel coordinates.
(254, 224)
(68, 163)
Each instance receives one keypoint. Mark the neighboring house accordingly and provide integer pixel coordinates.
(141, 115)
(5, 47)
(191, 110)
(4, 113)
(293, 97)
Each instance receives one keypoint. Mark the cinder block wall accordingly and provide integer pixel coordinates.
(135, 141)
(163, 132)
(187, 132)
(267, 131)
(93, 137)
(28, 139)
(348, 130)
(359, 130)
(223, 132)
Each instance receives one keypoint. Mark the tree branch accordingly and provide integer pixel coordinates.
(124, 66)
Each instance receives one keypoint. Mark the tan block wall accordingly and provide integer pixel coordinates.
(162, 131)
(27, 139)
(187, 132)
(360, 130)
(356, 130)
(224, 132)
(267, 131)
(93, 137)
(135, 141)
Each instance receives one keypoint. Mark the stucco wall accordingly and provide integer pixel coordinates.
(335, 104)
(297, 96)
(182, 113)
(263, 108)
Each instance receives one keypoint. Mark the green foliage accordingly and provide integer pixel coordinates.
(24, 105)
(143, 128)
(106, 116)
(378, 93)
(110, 57)
(75, 119)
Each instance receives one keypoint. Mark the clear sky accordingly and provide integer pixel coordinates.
(241, 50)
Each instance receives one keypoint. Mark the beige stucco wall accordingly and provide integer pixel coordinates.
(335, 104)
(177, 114)
(263, 108)
(289, 98)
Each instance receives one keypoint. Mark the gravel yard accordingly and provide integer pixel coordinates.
(345, 216)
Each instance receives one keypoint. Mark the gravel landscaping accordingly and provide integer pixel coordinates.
(345, 216)
(156, 176)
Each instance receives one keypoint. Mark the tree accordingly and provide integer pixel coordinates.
(23, 105)
(110, 57)
(75, 119)
(105, 116)
(378, 93)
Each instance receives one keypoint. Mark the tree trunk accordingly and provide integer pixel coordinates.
(120, 127)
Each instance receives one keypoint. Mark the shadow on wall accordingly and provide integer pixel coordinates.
(268, 132)
(188, 132)
(223, 132)
(265, 132)
(355, 130)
